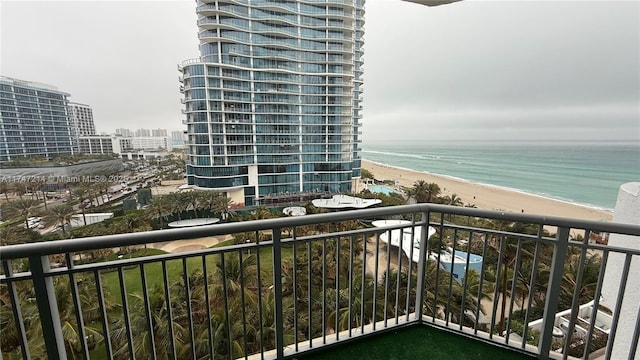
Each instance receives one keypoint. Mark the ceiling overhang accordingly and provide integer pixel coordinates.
(432, 2)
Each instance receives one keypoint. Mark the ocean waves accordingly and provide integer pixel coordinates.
(587, 174)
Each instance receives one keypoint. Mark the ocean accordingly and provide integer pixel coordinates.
(585, 173)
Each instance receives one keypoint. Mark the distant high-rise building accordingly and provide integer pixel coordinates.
(34, 120)
(143, 133)
(96, 144)
(158, 132)
(124, 132)
(178, 136)
(81, 117)
(178, 139)
(150, 143)
(81, 123)
(272, 104)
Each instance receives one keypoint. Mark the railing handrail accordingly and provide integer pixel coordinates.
(100, 242)
(41, 275)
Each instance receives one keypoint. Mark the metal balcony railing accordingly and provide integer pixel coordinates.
(298, 283)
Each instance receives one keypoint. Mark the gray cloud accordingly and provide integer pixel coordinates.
(472, 69)
(118, 57)
(488, 69)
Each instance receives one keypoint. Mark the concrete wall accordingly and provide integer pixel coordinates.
(92, 218)
(628, 212)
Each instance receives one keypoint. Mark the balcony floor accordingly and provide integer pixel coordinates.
(416, 342)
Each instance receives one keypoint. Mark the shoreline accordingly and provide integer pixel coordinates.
(488, 196)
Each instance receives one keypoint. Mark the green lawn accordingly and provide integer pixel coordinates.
(415, 342)
(154, 274)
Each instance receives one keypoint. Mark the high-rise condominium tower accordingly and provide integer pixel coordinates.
(34, 120)
(81, 119)
(272, 104)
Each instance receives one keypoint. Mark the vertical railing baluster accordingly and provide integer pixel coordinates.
(324, 290)
(481, 283)
(465, 284)
(497, 286)
(532, 288)
(208, 305)
(125, 308)
(309, 291)
(410, 266)
(554, 289)
(575, 302)
(337, 304)
(147, 310)
(596, 301)
(375, 283)
(16, 309)
(103, 314)
(386, 277)
(422, 266)
(259, 278)
(77, 308)
(167, 299)
(514, 284)
(350, 281)
(47, 307)
(634, 341)
(277, 288)
(363, 286)
(187, 299)
(616, 311)
(437, 279)
(227, 313)
(295, 289)
(447, 312)
(242, 301)
(398, 274)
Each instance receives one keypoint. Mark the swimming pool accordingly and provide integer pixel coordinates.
(381, 189)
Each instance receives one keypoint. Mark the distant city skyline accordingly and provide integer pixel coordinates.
(505, 70)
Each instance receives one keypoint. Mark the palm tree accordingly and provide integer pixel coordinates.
(209, 200)
(453, 200)
(237, 274)
(177, 204)
(31, 318)
(82, 193)
(160, 321)
(366, 174)
(5, 188)
(60, 216)
(23, 208)
(506, 249)
(192, 200)
(424, 192)
(19, 188)
(436, 297)
(159, 207)
(95, 191)
(223, 205)
(261, 213)
(40, 184)
(135, 222)
(9, 235)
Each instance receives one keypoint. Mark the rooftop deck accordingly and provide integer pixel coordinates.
(299, 287)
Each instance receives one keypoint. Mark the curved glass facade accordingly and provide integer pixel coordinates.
(273, 103)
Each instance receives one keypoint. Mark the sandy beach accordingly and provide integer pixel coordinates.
(489, 197)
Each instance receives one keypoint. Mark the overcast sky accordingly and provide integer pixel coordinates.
(486, 70)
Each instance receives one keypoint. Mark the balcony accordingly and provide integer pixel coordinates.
(301, 287)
